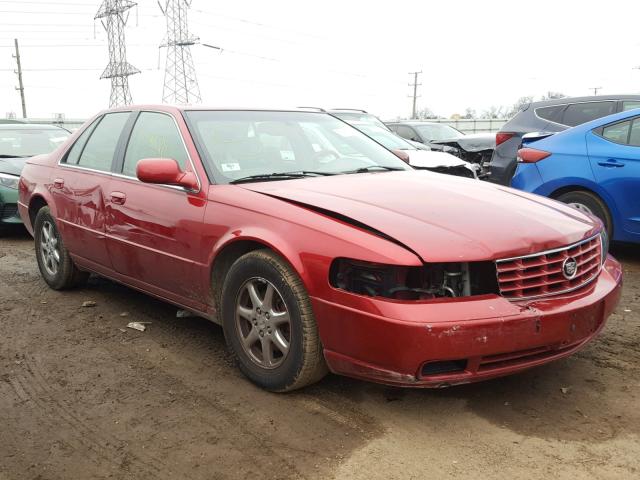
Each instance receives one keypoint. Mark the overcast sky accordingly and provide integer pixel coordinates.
(330, 53)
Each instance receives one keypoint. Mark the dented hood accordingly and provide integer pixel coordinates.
(439, 217)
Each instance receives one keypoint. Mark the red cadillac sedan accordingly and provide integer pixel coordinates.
(318, 249)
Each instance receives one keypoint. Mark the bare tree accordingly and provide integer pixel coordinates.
(470, 113)
(552, 95)
(425, 113)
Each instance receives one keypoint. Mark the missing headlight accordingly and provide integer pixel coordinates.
(429, 281)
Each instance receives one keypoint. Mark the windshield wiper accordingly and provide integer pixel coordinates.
(12, 156)
(280, 176)
(373, 168)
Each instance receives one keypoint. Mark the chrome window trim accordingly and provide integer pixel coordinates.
(120, 175)
(546, 252)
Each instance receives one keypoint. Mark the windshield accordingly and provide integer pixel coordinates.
(438, 132)
(360, 117)
(383, 136)
(239, 144)
(29, 142)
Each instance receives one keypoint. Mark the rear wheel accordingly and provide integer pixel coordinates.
(589, 203)
(268, 323)
(54, 262)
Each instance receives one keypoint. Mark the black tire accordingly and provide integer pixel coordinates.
(304, 362)
(66, 275)
(593, 203)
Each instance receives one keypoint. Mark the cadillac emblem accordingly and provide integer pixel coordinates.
(569, 268)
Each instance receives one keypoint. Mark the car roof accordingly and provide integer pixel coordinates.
(415, 122)
(591, 98)
(186, 108)
(29, 126)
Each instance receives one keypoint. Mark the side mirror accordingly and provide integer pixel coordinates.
(165, 171)
(402, 155)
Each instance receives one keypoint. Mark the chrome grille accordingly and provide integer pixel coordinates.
(541, 274)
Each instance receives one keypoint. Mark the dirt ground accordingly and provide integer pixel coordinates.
(81, 396)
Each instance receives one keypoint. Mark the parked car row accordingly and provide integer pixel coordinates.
(316, 248)
(19, 141)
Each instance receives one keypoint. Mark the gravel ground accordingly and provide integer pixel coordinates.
(81, 396)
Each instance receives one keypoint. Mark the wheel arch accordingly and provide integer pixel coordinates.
(602, 196)
(230, 249)
(36, 203)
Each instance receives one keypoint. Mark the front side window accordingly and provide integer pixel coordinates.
(408, 133)
(100, 148)
(239, 144)
(154, 135)
(630, 105)
(579, 113)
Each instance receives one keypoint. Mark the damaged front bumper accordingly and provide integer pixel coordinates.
(449, 342)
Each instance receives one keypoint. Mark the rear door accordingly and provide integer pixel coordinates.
(614, 153)
(80, 183)
(155, 232)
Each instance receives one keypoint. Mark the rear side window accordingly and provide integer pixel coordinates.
(74, 154)
(618, 132)
(630, 105)
(100, 148)
(552, 114)
(579, 113)
(154, 135)
(634, 134)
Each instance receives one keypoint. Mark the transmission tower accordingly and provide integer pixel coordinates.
(180, 82)
(113, 15)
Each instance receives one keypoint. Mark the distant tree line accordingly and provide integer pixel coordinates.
(495, 111)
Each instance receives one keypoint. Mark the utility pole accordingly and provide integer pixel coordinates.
(415, 95)
(113, 15)
(595, 90)
(21, 85)
(180, 82)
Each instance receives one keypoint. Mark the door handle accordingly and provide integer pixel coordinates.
(611, 163)
(58, 183)
(118, 198)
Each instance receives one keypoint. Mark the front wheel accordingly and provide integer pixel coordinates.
(589, 203)
(268, 323)
(54, 262)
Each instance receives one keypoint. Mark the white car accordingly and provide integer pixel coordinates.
(418, 157)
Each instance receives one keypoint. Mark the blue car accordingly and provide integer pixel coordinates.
(595, 167)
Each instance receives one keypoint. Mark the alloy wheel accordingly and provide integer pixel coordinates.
(582, 207)
(263, 323)
(49, 248)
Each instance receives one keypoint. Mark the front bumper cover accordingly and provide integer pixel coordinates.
(394, 342)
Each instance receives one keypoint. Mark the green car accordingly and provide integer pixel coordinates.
(19, 141)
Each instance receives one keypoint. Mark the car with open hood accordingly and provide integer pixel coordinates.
(474, 148)
(420, 158)
(19, 141)
(316, 248)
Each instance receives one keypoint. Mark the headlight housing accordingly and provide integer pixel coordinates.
(427, 282)
(604, 244)
(9, 181)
